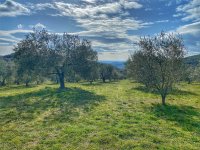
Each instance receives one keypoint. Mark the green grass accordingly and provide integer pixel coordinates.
(117, 115)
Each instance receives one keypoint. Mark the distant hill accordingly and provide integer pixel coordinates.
(193, 60)
(7, 57)
(118, 64)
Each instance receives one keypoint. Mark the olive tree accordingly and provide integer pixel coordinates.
(106, 72)
(158, 62)
(91, 73)
(196, 73)
(6, 71)
(47, 53)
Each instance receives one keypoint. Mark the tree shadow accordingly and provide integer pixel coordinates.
(174, 91)
(186, 117)
(49, 103)
(99, 83)
(15, 87)
(92, 84)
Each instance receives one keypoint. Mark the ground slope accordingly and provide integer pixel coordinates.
(120, 115)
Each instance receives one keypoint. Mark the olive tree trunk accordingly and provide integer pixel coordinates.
(104, 79)
(61, 76)
(163, 99)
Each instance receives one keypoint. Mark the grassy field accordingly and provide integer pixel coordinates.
(117, 115)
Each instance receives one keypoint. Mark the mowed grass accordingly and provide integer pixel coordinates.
(115, 116)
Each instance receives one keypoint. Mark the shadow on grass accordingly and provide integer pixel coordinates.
(49, 104)
(186, 117)
(92, 84)
(173, 92)
(99, 83)
(15, 87)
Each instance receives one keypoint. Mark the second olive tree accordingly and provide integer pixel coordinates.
(158, 62)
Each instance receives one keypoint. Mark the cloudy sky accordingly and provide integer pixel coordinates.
(112, 25)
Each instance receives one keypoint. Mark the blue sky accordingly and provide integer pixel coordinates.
(113, 26)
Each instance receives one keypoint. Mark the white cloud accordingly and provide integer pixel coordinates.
(130, 5)
(119, 51)
(40, 6)
(37, 26)
(193, 29)
(113, 32)
(162, 21)
(11, 8)
(74, 10)
(114, 47)
(110, 33)
(190, 11)
(8, 35)
(11, 32)
(68, 9)
(117, 56)
(19, 26)
(5, 50)
(8, 40)
(191, 36)
(89, 1)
